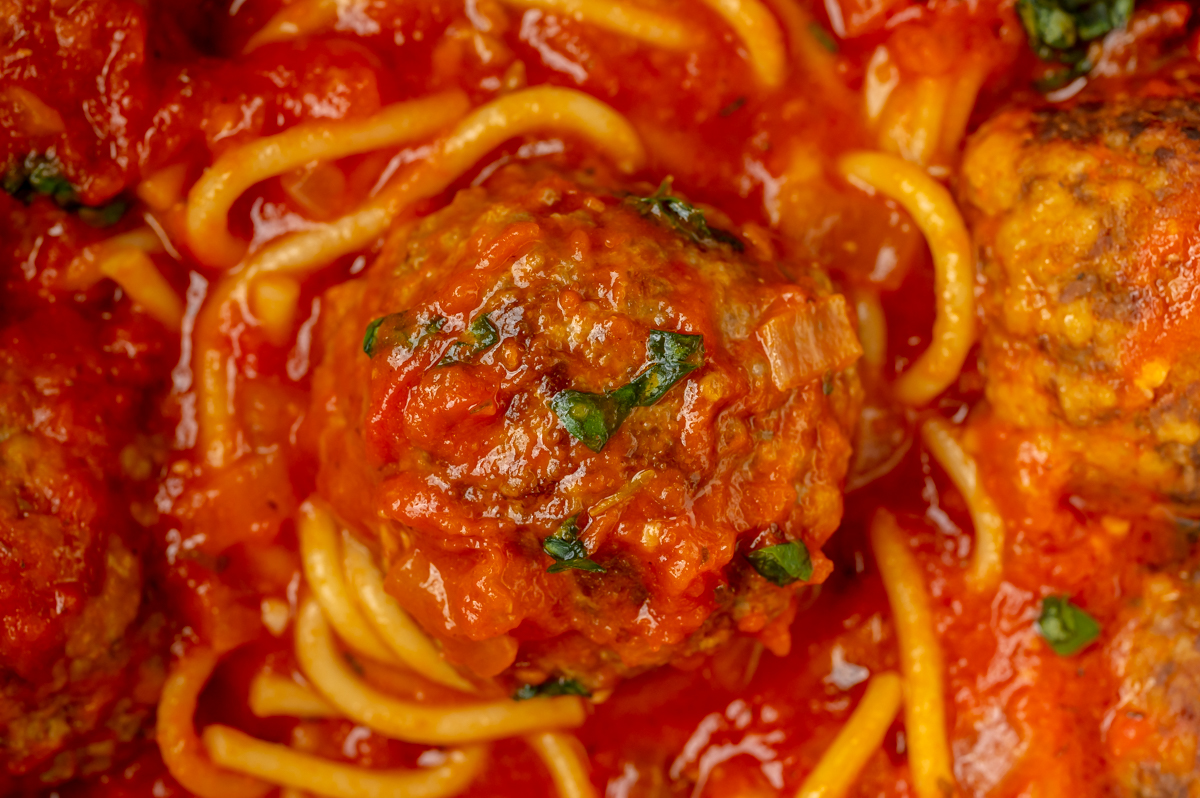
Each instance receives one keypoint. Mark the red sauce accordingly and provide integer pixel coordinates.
(173, 90)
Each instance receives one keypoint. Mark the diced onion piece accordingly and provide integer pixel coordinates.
(804, 342)
(164, 188)
(319, 189)
(274, 299)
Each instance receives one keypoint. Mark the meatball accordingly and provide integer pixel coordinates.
(588, 432)
(1153, 734)
(78, 680)
(1087, 223)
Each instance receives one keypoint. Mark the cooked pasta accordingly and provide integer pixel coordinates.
(857, 741)
(987, 559)
(518, 398)
(920, 660)
(279, 764)
(934, 211)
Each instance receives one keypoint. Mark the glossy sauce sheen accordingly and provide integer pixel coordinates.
(745, 721)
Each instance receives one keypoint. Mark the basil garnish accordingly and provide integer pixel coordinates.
(551, 687)
(593, 418)
(565, 547)
(1065, 627)
(682, 217)
(783, 563)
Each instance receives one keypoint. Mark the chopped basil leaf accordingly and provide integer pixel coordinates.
(551, 687)
(593, 418)
(565, 547)
(1065, 627)
(483, 336)
(823, 37)
(783, 563)
(732, 108)
(397, 330)
(42, 175)
(105, 215)
(1060, 30)
(370, 335)
(683, 217)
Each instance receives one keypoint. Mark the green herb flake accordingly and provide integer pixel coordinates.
(683, 217)
(568, 551)
(371, 334)
(732, 108)
(823, 37)
(551, 687)
(784, 563)
(105, 215)
(593, 418)
(1060, 31)
(482, 335)
(1066, 628)
(397, 329)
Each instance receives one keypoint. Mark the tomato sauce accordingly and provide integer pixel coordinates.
(215, 544)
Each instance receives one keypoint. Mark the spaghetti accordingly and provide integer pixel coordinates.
(857, 741)
(920, 660)
(987, 560)
(934, 211)
(480, 132)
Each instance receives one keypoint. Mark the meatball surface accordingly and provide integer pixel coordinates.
(78, 674)
(576, 414)
(1087, 223)
(1154, 732)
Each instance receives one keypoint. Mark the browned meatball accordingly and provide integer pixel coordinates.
(78, 680)
(577, 415)
(1087, 221)
(1153, 730)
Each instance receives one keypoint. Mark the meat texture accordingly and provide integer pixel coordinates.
(508, 335)
(79, 671)
(1087, 222)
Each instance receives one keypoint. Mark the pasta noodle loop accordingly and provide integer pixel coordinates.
(935, 213)
(760, 33)
(412, 721)
(987, 559)
(235, 171)
(392, 624)
(181, 748)
(541, 108)
(281, 765)
(322, 559)
(857, 741)
(920, 659)
(568, 769)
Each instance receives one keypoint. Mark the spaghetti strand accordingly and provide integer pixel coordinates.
(857, 741)
(568, 769)
(412, 721)
(920, 659)
(987, 559)
(238, 169)
(281, 765)
(934, 211)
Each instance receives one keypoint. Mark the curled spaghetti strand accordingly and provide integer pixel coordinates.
(181, 749)
(756, 27)
(238, 169)
(542, 108)
(392, 624)
(412, 721)
(568, 767)
(987, 559)
(281, 765)
(935, 213)
(920, 660)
